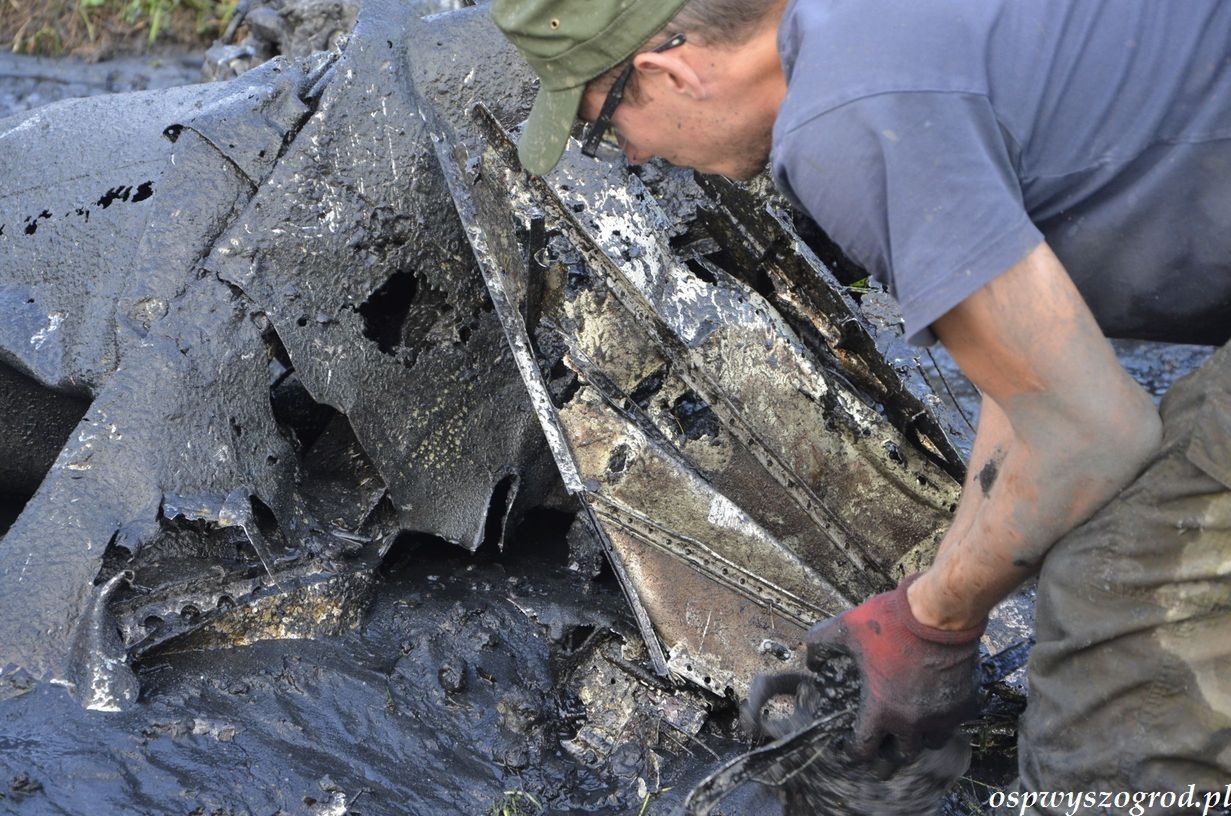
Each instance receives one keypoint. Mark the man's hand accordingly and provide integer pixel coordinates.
(918, 681)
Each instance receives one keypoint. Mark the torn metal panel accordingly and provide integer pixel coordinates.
(208, 582)
(864, 339)
(661, 501)
(58, 284)
(72, 218)
(858, 482)
(309, 599)
(186, 409)
(460, 60)
(719, 637)
(735, 480)
(495, 226)
(139, 440)
(365, 279)
(313, 256)
(178, 369)
(281, 93)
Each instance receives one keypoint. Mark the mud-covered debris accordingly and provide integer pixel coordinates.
(625, 708)
(187, 315)
(807, 764)
(452, 674)
(740, 486)
(23, 785)
(329, 336)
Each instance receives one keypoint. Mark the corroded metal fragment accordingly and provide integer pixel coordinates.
(743, 488)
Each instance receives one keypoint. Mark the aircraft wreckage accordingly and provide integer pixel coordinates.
(283, 319)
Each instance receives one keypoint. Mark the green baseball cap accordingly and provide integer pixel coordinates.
(568, 43)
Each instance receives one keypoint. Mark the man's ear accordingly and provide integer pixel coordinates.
(673, 69)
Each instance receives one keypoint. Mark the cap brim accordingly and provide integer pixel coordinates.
(547, 130)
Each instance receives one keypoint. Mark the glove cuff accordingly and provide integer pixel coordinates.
(945, 637)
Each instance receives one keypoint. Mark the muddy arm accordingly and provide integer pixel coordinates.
(992, 439)
(1077, 429)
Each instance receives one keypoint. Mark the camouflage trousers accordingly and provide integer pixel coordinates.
(1130, 683)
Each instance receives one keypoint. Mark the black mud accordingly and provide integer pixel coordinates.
(452, 698)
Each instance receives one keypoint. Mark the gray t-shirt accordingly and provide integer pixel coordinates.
(939, 141)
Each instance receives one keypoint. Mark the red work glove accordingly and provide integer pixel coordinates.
(918, 681)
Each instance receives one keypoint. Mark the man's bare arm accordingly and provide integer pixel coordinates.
(993, 438)
(1064, 429)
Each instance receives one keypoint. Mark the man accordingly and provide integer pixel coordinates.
(1026, 176)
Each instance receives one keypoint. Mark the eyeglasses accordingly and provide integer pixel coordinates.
(601, 141)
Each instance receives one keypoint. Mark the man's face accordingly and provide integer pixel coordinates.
(711, 134)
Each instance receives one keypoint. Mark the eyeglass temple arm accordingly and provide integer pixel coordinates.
(614, 96)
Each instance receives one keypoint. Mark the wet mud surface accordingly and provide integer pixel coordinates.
(455, 696)
(30, 82)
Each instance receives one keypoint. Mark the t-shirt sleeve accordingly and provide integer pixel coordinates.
(917, 187)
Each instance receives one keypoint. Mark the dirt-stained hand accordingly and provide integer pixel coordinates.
(918, 681)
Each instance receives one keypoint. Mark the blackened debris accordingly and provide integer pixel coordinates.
(144, 191)
(647, 388)
(618, 460)
(695, 416)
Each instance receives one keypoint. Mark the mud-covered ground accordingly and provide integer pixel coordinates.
(456, 696)
(29, 82)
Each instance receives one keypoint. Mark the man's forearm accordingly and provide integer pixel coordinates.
(993, 438)
(1024, 493)
(945, 600)
(1072, 426)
